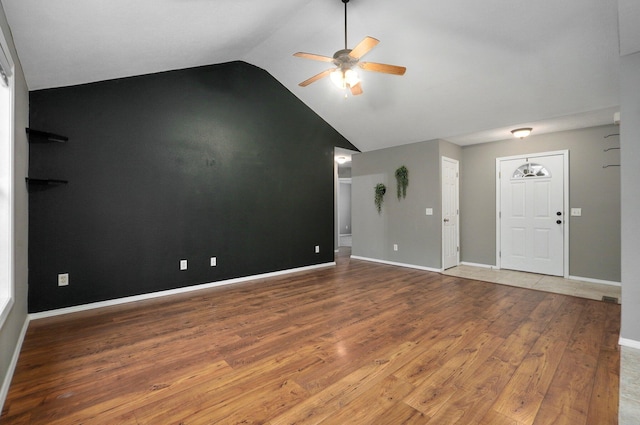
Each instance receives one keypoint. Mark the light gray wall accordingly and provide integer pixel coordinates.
(402, 222)
(594, 237)
(344, 207)
(10, 332)
(630, 134)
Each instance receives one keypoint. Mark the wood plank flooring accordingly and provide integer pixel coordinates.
(359, 343)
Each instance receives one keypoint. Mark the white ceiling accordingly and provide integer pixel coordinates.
(475, 69)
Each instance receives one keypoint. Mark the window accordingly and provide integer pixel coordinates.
(6, 180)
(530, 169)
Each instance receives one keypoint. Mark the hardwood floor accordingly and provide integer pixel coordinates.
(359, 343)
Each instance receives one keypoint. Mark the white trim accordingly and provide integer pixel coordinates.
(599, 281)
(125, 300)
(7, 294)
(4, 391)
(629, 343)
(393, 263)
(565, 156)
(484, 266)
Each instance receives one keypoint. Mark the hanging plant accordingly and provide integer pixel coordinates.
(381, 189)
(402, 178)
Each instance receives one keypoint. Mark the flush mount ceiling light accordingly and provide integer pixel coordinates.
(341, 159)
(521, 132)
(344, 75)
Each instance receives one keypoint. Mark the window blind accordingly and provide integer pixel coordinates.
(5, 65)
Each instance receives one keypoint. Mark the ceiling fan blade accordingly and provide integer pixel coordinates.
(363, 47)
(316, 77)
(357, 89)
(313, 57)
(383, 67)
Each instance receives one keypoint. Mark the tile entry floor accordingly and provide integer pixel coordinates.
(558, 285)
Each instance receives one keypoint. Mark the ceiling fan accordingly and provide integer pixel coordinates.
(343, 75)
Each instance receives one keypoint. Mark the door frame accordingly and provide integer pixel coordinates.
(457, 196)
(565, 157)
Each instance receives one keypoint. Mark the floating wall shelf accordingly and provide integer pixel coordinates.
(45, 182)
(37, 136)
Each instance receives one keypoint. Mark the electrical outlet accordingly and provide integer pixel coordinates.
(183, 264)
(395, 246)
(317, 249)
(63, 279)
(213, 262)
(429, 211)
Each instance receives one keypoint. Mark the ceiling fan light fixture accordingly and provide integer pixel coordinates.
(344, 78)
(343, 75)
(521, 133)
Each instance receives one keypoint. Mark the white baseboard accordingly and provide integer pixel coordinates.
(125, 300)
(629, 343)
(393, 263)
(4, 391)
(590, 280)
(484, 266)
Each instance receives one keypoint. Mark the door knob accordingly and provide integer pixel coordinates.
(446, 220)
(559, 221)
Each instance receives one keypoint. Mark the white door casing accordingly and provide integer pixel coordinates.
(450, 213)
(532, 200)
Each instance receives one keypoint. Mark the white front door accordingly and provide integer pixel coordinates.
(450, 251)
(532, 216)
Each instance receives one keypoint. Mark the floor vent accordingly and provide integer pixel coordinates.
(610, 299)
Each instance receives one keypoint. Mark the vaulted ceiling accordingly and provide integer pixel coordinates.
(475, 69)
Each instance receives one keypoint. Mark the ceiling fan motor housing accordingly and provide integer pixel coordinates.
(343, 60)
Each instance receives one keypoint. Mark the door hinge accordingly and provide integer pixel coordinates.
(499, 174)
(499, 214)
(500, 254)
(457, 249)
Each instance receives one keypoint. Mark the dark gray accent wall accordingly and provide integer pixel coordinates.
(218, 160)
(594, 237)
(401, 222)
(630, 131)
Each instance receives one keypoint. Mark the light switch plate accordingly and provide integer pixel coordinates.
(183, 264)
(429, 211)
(576, 212)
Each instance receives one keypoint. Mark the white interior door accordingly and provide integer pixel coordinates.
(450, 238)
(532, 220)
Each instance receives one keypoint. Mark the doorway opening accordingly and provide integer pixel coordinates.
(343, 225)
